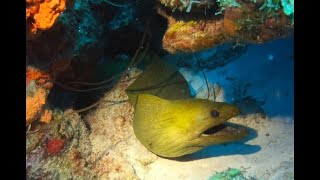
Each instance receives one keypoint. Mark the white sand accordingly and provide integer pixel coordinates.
(266, 155)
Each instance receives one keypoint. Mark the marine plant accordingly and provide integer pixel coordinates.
(230, 174)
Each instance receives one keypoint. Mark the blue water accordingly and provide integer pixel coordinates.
(269, 69)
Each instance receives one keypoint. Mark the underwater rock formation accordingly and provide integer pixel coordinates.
(53, 53)
(186, 5)
(38, 85)
(73, 44)
(241, 23)
(34, 105)
(46, 116)
(59, 150)
(64, 148)
(42, 78)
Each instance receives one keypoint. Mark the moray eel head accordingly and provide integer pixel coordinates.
(179, 127)
(210, 124)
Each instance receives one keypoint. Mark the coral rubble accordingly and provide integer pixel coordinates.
(110, 151)
(60, 150)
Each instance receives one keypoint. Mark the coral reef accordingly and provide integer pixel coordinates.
(42, 14)
(54, 146)
(34, 105)
(68, 45)
(186, 5)
(46, 116)
(38, 85)
(172, 4)
(60, 150)
(241, 23)
(86, 26)
(110, 151)
(193, 35)
(41, 78)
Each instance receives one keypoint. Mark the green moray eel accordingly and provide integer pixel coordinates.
(175, 128)
(169, 122)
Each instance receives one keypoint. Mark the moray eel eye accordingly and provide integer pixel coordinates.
(215, 113)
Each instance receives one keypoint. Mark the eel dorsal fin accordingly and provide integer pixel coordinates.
(159, 79)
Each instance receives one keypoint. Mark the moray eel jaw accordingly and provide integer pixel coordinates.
(222, 131)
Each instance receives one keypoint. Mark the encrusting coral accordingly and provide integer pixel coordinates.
(193, 35)
(46, 116)
(38, 85)
(195, 31)
(41, 78)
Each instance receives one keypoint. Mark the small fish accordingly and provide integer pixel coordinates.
(169, 122)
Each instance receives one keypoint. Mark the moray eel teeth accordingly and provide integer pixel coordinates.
(219, 134)
(223, 129)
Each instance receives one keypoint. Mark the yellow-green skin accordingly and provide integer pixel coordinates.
(174, 128)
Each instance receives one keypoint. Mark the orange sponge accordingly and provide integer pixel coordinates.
(42, 78)
(43, 13)
(34, 105)
(46, 117)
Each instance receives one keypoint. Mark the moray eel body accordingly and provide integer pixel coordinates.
(169, 122)
(179, 127)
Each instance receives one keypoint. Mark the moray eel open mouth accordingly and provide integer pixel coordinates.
(224, 129)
